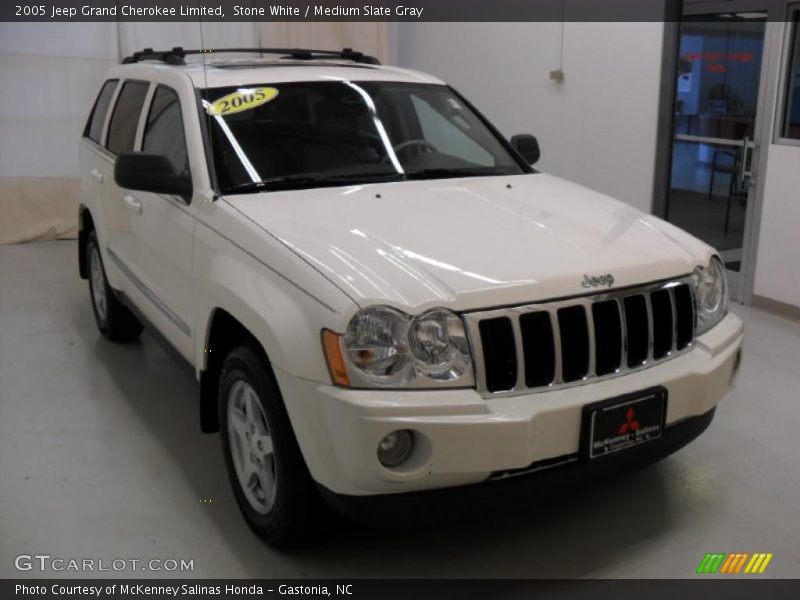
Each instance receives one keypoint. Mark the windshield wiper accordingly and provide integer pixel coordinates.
(276, 182)
(444, 172)
(292, 181)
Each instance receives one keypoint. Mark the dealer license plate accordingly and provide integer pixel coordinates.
(625, 422)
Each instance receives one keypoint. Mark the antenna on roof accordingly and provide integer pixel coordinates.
(204, 103)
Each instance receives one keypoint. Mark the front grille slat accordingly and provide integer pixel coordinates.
(674, 312)
(661, 308)
(637, 325)
(519, 353)
(539, 348)
(574, 331)
(565, 342)
(559, 378)
(592, 369)
(684, 316)
(608, 336)
(649, 307)
(499, 354)
(623, 361)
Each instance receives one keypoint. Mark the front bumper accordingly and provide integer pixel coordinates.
(463, 438)
(528, 491)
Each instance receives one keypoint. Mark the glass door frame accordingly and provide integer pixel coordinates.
(742, 283)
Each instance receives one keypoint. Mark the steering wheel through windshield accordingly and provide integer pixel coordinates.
(423, 146)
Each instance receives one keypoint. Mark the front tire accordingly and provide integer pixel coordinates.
(113, 318)
(270, 480)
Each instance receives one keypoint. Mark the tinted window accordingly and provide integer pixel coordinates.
(448, 131)
(122, 129)
(94, 127)
(163, 132)
(347, 132)
(791, 117)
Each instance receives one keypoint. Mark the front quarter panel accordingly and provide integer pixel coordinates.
(283, 301)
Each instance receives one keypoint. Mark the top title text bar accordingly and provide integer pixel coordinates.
(337, 10)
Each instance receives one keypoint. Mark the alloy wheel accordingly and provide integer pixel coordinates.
(98, 282)
(251, 447)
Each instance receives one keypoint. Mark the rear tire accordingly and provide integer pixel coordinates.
(113, 318)
(272, 485)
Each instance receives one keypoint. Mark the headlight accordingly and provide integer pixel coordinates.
(711, 294)
(438, 345)
(385, 347)
(374, 344)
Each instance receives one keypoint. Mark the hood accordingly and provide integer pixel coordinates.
(471, 243)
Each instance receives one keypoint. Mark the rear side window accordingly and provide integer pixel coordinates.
(163, 132)
(122, 129)
(94, 126)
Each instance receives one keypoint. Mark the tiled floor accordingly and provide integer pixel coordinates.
(101, 457)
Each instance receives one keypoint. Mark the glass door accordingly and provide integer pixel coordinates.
(714, 130)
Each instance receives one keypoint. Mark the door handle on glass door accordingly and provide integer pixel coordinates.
(744, 172)
(96, 175)
(134, 204)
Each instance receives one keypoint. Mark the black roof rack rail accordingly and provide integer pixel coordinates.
(177, 55)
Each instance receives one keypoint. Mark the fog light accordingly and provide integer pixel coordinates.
(395, 448)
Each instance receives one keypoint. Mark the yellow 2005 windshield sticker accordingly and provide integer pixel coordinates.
(242, 99)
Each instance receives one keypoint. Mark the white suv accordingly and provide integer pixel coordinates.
(377, 292)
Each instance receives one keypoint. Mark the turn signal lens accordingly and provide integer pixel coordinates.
(333, 356)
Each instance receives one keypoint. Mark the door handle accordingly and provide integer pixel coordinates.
(96, 175)
(744, 172)
(134, 204)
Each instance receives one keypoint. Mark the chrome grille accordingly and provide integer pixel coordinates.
(569, 342)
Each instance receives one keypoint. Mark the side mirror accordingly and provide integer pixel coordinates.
(151, 173)
(527, 146)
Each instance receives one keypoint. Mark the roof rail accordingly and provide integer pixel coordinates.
(177, 55)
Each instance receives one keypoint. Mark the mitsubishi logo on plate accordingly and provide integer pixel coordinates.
(630, 422)
(606, 280)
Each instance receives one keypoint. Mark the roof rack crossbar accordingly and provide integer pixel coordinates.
(177, 55)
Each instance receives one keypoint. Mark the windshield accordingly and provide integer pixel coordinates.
(342, 132)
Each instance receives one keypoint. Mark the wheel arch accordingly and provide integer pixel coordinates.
(85, 227)
(257, 304)
(223, 332)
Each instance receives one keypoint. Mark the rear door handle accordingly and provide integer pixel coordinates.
(134, 204)
(96, 175)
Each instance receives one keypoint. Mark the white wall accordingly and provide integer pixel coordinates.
(598, 127)
(49, 73)
(777, 275)
(777, 271)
